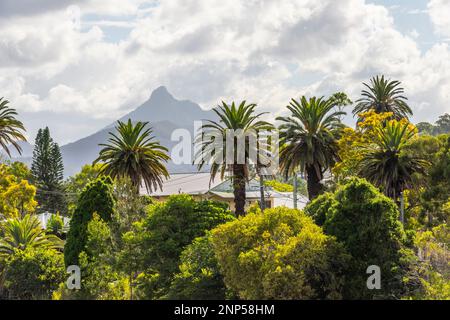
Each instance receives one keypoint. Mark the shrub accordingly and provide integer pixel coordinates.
(279, 254)
(279, 186)
(34, 274)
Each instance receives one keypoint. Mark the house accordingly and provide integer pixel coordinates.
(45, 217)
(200, 187)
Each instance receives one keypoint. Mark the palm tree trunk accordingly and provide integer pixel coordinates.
(295, 190)
(313, 181)
(239, 189)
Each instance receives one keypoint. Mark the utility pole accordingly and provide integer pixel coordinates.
(402, 208)
(295, 190)
(262, 204)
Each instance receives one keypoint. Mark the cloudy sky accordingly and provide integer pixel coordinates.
(76, 66)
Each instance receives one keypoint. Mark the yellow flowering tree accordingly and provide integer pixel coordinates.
(17, 196)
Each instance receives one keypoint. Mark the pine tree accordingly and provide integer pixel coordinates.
(48, 173)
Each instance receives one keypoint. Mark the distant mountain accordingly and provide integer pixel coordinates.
(27, 150)
(162, 106)
(162, 110)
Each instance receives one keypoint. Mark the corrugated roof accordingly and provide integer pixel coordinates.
(187, 183)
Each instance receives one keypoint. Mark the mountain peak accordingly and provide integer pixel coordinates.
(161, 93)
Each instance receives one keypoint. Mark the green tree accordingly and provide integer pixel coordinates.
(279, 254)
(434, 270)
(366, 222)
(11, 129)
(426, 128)
(97, 198)
(164, 234)
(383, 95)
(134, 153)
(443, 124)
(74, 185)
(48, 171)
(131, 208)
(232, 119)
(34, 273)
(199, 276)
(308, 140)
(101, 280)
(340, 100)
(428, 204)
(20, 171)
(385, 164)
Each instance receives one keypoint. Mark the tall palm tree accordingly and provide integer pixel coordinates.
(213, 145)
(386, 165)
(24, 233)
(383, 95)
(308, 140)
(10, 128)
(134, 153)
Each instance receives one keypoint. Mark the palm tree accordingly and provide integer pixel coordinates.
(386, 165)
(383, 95)
(308, 140)
(10, 128)
(24, 233)
(134, 153)
(213, 145)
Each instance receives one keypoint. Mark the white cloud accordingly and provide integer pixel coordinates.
(265, 51)
(439, 11)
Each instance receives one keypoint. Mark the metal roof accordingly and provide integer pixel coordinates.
(187, 183)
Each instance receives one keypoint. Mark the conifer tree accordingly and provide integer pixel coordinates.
(48, 172)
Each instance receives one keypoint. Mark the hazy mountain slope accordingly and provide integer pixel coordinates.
(27, 150)
(165, 114)
(87, 149)
(162, 110)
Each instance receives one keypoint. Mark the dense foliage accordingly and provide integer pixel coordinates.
(279, 254)
(442, 126)
(167, 230)
(33, 273)
(366, 222)
(75, 184)
(96, 198)
(431, 204)
(199, 277)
